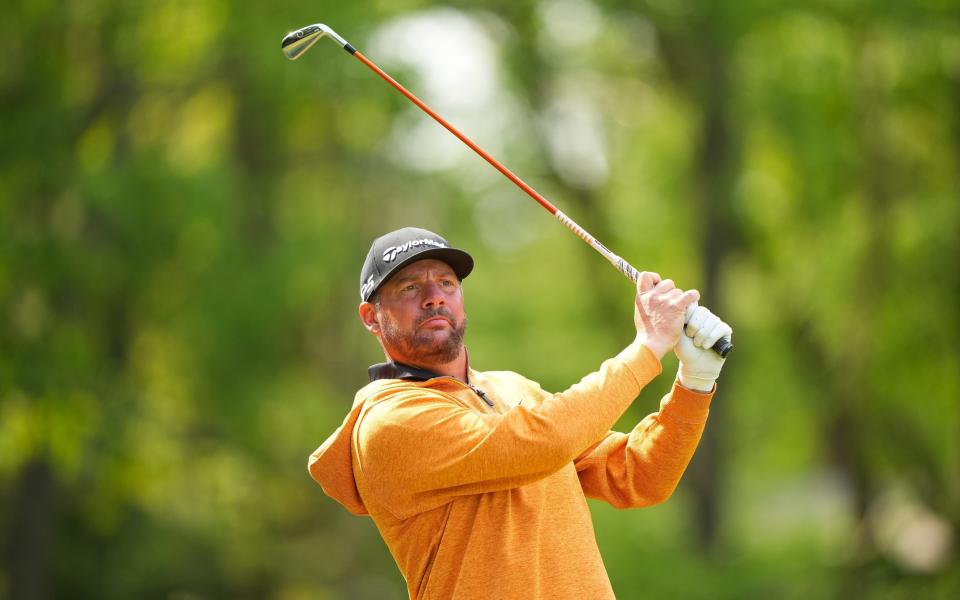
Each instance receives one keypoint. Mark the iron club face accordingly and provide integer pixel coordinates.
(297, 42)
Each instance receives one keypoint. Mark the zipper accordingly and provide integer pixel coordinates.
(475, 389)
(480, 393)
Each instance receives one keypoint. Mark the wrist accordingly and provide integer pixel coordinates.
(697, 379)
(695, 383)
(659, 349)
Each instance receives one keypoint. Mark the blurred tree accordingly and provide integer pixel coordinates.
(184, 214)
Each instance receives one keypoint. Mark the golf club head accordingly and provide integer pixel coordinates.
(297, 42)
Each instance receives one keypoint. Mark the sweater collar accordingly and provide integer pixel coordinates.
(395, 370)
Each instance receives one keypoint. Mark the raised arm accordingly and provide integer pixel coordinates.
(643, 467)
(417, 448)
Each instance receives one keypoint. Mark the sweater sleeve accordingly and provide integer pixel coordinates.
(417, 448)
(644, 467)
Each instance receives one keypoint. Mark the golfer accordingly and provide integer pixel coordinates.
(477, 480)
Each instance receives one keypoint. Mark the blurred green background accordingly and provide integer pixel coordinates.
(185, 214)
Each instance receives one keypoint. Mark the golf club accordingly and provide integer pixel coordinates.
(297, 42)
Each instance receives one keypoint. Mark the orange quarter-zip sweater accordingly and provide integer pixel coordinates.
(479, 489)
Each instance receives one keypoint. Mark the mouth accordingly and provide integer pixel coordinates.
(437, 321)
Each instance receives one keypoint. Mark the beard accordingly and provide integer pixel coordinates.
(423, 345)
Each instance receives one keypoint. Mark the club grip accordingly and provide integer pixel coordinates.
(723, 346)
(628, 270)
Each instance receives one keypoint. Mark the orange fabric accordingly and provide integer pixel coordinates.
(475, 501)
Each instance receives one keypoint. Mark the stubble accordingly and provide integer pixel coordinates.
(422, 345)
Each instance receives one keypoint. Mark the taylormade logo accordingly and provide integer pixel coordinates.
(391, 253)
(367, 287)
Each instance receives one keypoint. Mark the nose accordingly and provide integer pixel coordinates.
(432, 296)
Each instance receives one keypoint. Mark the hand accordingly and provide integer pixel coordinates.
(659, 310)
(699, 365)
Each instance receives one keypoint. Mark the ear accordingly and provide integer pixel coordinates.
(368, 316)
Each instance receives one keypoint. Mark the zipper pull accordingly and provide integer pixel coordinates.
(480, 393)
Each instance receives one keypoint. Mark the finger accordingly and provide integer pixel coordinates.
(665, 286)
(705, 330)
(672, 296)
(688, 314)
(646, 281)
(699, 317)
(687, 298)
(719, 331)
(684, 300)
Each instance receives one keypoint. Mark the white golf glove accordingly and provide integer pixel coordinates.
(699, 365)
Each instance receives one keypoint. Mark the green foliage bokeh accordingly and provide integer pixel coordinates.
(185, 214)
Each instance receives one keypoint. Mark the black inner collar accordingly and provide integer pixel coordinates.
(395, 370)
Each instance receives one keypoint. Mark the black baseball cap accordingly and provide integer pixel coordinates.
(391, 252)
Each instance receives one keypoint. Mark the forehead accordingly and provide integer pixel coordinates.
(423, 268)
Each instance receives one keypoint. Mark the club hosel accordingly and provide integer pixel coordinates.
(295, 43)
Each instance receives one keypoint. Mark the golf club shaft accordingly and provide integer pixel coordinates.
(618, 262)
(721, 347)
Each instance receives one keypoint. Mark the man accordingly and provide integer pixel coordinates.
(477, 480)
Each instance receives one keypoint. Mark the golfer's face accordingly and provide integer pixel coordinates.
(422, 313)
